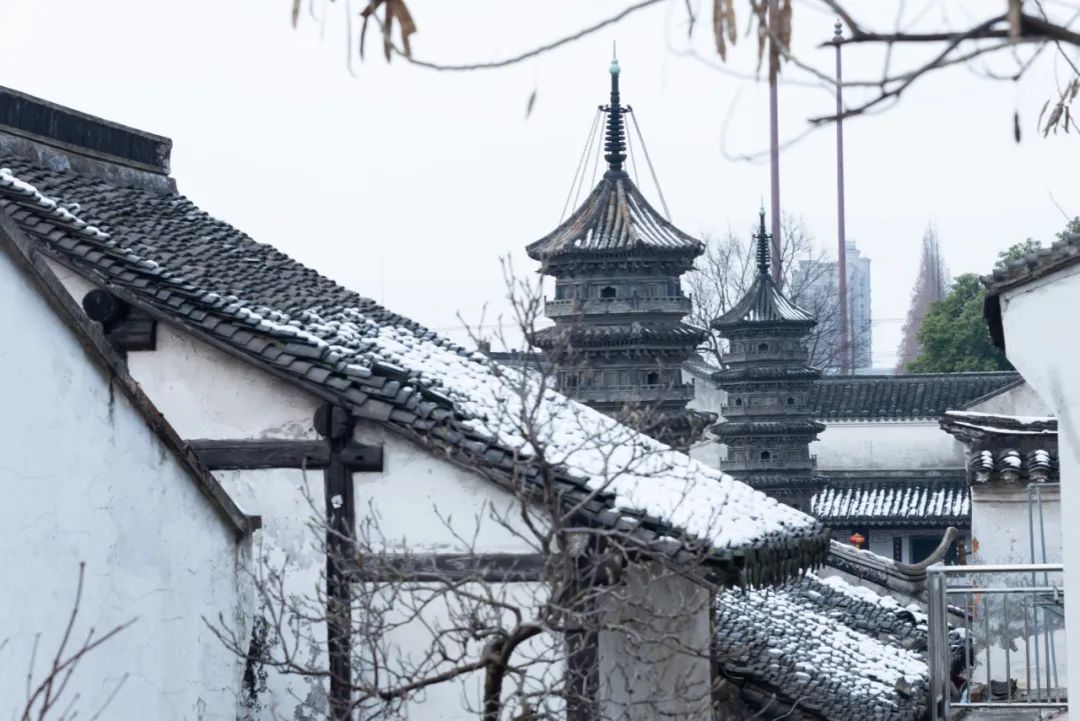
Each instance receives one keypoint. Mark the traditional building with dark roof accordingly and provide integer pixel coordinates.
(1013, 470)
(1030, 308)
(304, 397)
(767, 424)
(893, 477)
(112, 523)
(619, 338)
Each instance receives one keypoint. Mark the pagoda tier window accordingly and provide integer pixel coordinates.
(608, 292)
(652, 379)
(790, 401)
(766, 455)
(738, 402)
(763, 347)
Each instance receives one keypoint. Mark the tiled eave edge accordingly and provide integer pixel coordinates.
(759, 565)
(896, 521)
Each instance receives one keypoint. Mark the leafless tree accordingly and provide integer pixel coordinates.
(46, 691)
(418, 624)
(931, 284)
(726, 271)
(997, 41)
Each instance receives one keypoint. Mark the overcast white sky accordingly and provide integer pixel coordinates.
(408, 185)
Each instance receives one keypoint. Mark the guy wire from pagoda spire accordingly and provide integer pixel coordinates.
(762, 239)
(614, 137)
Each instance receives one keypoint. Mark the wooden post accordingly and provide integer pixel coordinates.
(336, 425)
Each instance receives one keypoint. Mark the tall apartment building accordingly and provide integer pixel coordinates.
(815, 287)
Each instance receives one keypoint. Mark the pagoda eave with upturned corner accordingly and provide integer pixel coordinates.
(619, 339)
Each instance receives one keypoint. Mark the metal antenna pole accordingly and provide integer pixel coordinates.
(847, 348)
(774, 141)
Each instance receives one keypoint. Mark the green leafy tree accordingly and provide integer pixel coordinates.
(954, 337)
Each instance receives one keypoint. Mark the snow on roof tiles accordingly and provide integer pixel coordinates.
(839, 650)
(891, 503)
(166, 255)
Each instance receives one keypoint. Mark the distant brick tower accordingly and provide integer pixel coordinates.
(767, 425)
(618, 341)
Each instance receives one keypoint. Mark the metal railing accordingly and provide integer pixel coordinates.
(996, 638)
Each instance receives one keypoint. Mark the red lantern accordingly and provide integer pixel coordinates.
(857, 539)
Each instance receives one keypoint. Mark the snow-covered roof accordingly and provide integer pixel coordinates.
(163, 254)
(917, 501)
(615, 218)
(825, 646)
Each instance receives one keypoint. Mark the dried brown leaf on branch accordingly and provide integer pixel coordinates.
(724, 25)
(1060, 115)
(394, 11)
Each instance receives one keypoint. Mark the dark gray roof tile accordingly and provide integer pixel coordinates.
(902, 397)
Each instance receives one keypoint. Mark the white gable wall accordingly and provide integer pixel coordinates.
(419, 501)
(1044, 347)
(86, 480)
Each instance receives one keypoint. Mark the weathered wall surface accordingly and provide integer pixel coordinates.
(85, 480)
(207, 393)
(420, 502)
(886, 445)
(1045, 353)
(434, 506)
(999, 523)
(654, 656)
(1021, 400)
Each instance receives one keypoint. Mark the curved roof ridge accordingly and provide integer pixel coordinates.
(764, 303)
(616, 217)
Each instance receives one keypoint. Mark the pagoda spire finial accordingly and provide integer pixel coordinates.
(614, 136)
(763, 239)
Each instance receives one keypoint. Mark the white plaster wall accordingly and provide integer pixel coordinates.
(1021, 400)
(420, 502)
(999, 523)
(1046, 353)
(85, 480)
(207, 393)
(707, 397)
(654, 652)
(709, 452)
(430, 505)
(410, 645)
(892, 445)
